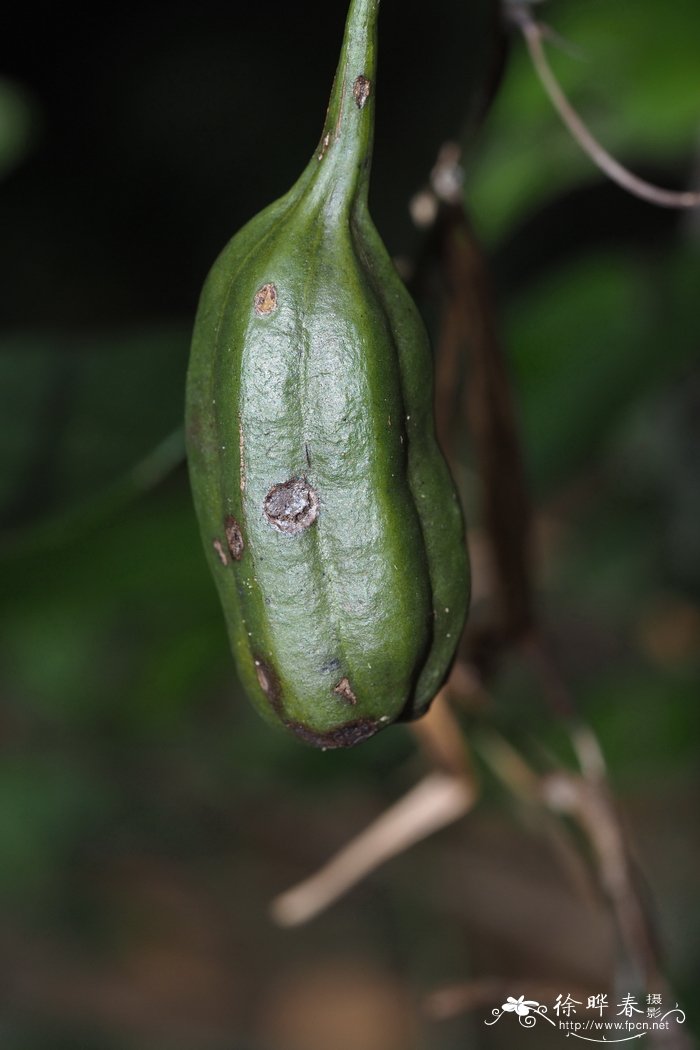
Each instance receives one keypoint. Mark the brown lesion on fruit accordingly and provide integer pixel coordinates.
(292, 506)
(265, 300)
(344, 690)
(361, 90)
(219, 548)
(347, 735)
(270, 685)
(234, 537)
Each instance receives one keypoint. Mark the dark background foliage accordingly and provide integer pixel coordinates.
(146, 816)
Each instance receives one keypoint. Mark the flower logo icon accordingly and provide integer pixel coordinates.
(528, 1011)
(520, 1006)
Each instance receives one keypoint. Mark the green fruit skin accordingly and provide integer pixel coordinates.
(351, 621)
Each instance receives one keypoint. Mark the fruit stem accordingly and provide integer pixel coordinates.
(344, 154)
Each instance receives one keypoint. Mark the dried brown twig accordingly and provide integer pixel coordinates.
(439, 799)
(436, 801)
(593, 809)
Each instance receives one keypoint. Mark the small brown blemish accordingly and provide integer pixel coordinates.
(234, 538)
(265, 300)
(361, 90)
(291, 506)
(218, 547)
(346, 735)
(270, 685)
(343, 690)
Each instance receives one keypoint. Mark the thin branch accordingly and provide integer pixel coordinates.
(533, 34)
(491, 418)
(595, 812)
(435, 802)
(591, 806)
(440, 736)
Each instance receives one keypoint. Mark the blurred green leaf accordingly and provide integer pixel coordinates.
(86, 419)
(647, 719)
(588, 341)
(48, 803)
(17, 118)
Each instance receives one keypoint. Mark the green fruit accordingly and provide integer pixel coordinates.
(328, 514)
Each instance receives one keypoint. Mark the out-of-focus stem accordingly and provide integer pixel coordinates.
(519, 14)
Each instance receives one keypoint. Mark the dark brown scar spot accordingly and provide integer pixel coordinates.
(218, 547)
(342, 736)
(343, 690)
(291, 506)
(265, 300)
(234, 538)
(270, 685)
(361, 90)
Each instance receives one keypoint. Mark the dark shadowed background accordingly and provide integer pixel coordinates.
(147, 816)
